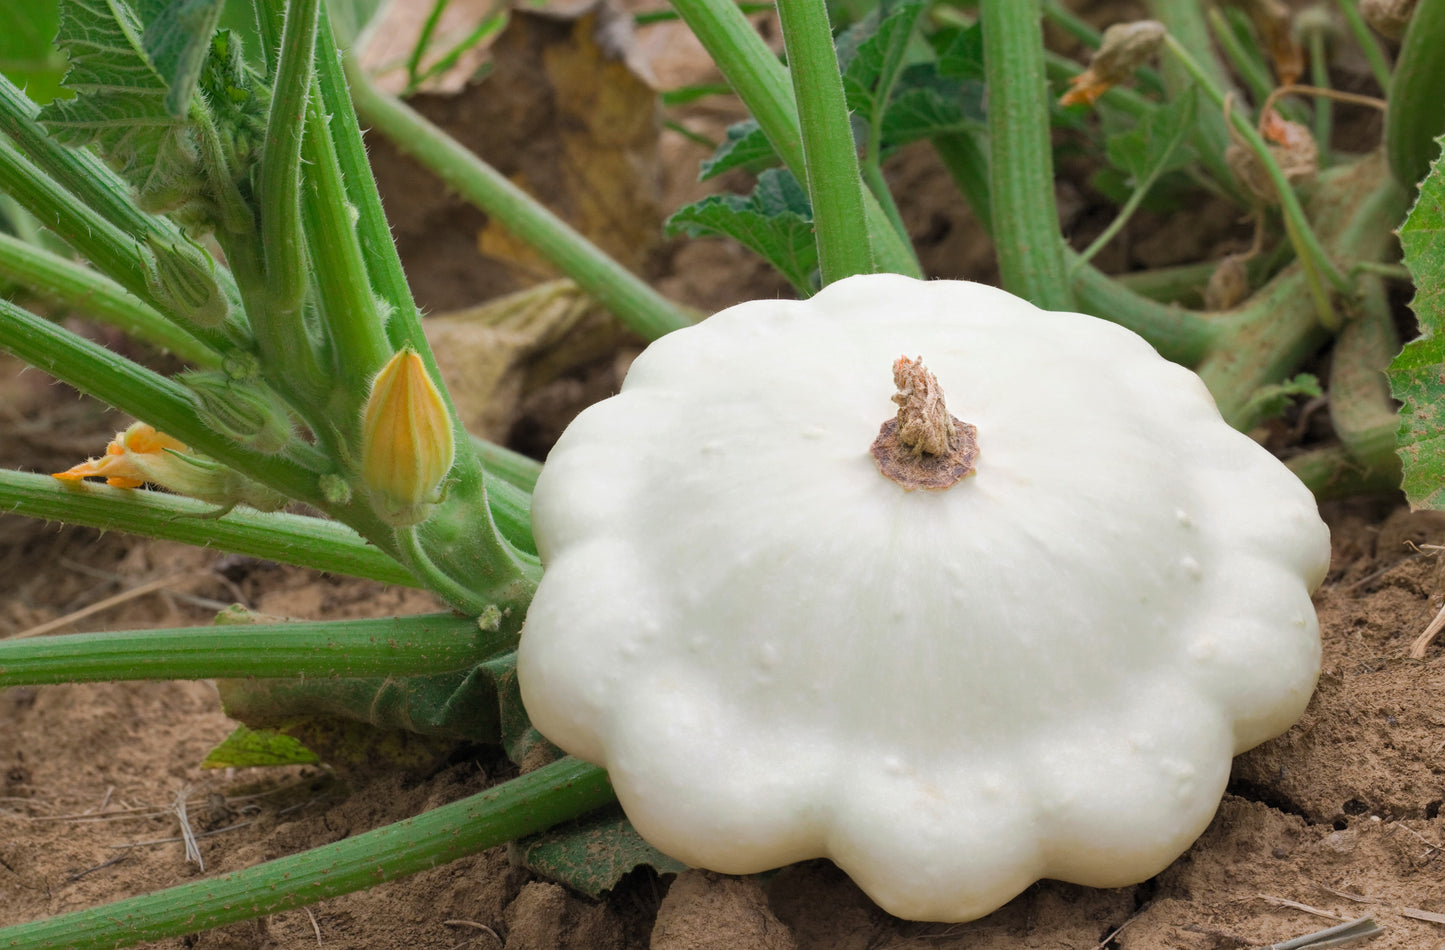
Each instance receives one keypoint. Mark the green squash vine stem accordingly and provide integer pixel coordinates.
(830, 163)
(1416, 114)
(765, 87)
(390, 646)
(317, 543)
(1321, 271)
(629, 297)
(458, 542)
(523, 806)
(1021, 179)
(86, 291)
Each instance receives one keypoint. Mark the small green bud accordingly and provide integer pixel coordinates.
(246, 413)
(490, 619)
(407, 446)
(183, 279)
(235, 615)
(210, 481)
(335, 489)
(241, 366)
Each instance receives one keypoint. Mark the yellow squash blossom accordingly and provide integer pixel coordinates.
(142, 454)
(407, 446)
(130, 460)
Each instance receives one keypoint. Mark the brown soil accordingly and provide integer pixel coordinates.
(1338, 818)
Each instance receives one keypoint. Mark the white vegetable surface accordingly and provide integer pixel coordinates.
(779, 653)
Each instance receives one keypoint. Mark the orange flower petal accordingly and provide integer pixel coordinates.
(1086, 88)
(145, 439)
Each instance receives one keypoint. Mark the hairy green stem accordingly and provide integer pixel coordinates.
(1021, 172)
(383, 646)
(511, 466)
(1306, 243)
(96, 296)
(1186, 22)
(91, 234)
(346, 301)
(511, 508)
(1243, 57)
(164, 404)
(762, 82)
(280, 172)
(1177, 334)
(466, 598)
(872, 172)
(1172, 284)
(525, 805)
(1361, 409)
(829, 155)
(291, 539)
(1356, 206)
(383, 263)
(1317, 42)
(634, 302)
(1380, 268)
(469, 539)
(79, 180)
(1416, 114)
(287, 356)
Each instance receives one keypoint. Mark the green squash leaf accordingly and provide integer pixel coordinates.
(960, 52)
(745, 147)
(412, 722)
(591, 855)
(1417, 376)
(775, 221)
(1270, 401)
(28, 57)
(177, 39)
(1157, 144)
(928, 104)
(121, 102)
(874, 52)
(248, 748)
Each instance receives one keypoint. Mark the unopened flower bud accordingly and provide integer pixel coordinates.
(183, 279)
(246, 413)
(1390, 18)
(406, 440)
(1124, 48)
(242, 366)
(335, 489)
(141, 454)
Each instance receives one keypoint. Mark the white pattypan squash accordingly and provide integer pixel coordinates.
(778, 652)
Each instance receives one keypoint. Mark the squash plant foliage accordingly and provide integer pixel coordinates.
(214, 181)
